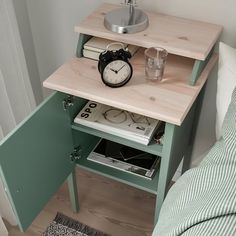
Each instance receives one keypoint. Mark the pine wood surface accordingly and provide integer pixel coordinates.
(177, 35)
(168, 100)
(106, 205)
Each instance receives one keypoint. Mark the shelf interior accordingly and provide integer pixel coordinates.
(152, 148)
(149, 185)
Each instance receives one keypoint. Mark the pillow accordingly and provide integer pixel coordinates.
(229, 128)
(225, 84)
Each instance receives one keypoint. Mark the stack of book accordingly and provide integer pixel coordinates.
(125, 158)
(95, 46)
(119, 122)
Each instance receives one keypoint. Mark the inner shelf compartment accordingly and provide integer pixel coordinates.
(152, 148)
(149, 185)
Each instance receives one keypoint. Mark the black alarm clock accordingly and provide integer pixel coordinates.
(114, 67)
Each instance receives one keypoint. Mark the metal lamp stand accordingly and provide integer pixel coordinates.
(127, 19)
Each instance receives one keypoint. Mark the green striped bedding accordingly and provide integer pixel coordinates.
(203, 201)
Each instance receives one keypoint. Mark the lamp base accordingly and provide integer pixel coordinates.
(126, 20)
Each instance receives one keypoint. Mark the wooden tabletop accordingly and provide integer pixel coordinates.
(189, 38)
(168, 100)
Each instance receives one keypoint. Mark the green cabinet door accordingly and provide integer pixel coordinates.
(35, 159)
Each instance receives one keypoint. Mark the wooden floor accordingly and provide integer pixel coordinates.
(106, 205)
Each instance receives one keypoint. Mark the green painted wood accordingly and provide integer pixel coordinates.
(83, 38)
(198, 68)
(73, 111)
(82, 139)
(86, 144)
(170, 132)
(120, 176)
(196, 71)
(176, 143)
(73, 191)
(152, 148)
(34, 159)
(181, 142)
(188, 154)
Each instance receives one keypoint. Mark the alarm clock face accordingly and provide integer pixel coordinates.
(117, 73)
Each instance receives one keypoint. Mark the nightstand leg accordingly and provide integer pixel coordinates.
(161, 193)
(73, 191)
(164, 168)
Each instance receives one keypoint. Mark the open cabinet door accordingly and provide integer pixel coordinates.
(35, 159)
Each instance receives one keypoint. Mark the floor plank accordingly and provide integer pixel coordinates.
(106, 205)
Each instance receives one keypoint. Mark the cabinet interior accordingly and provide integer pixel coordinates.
(81, 134)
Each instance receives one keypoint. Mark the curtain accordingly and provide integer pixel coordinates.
(16, 95)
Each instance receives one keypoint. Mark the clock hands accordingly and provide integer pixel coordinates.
(120, 68)
(116, 71)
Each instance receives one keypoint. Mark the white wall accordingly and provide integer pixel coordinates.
(214, 11)
(52, 23)
(28, 47)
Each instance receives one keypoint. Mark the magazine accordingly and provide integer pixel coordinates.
(110, 154)
(118, 122)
